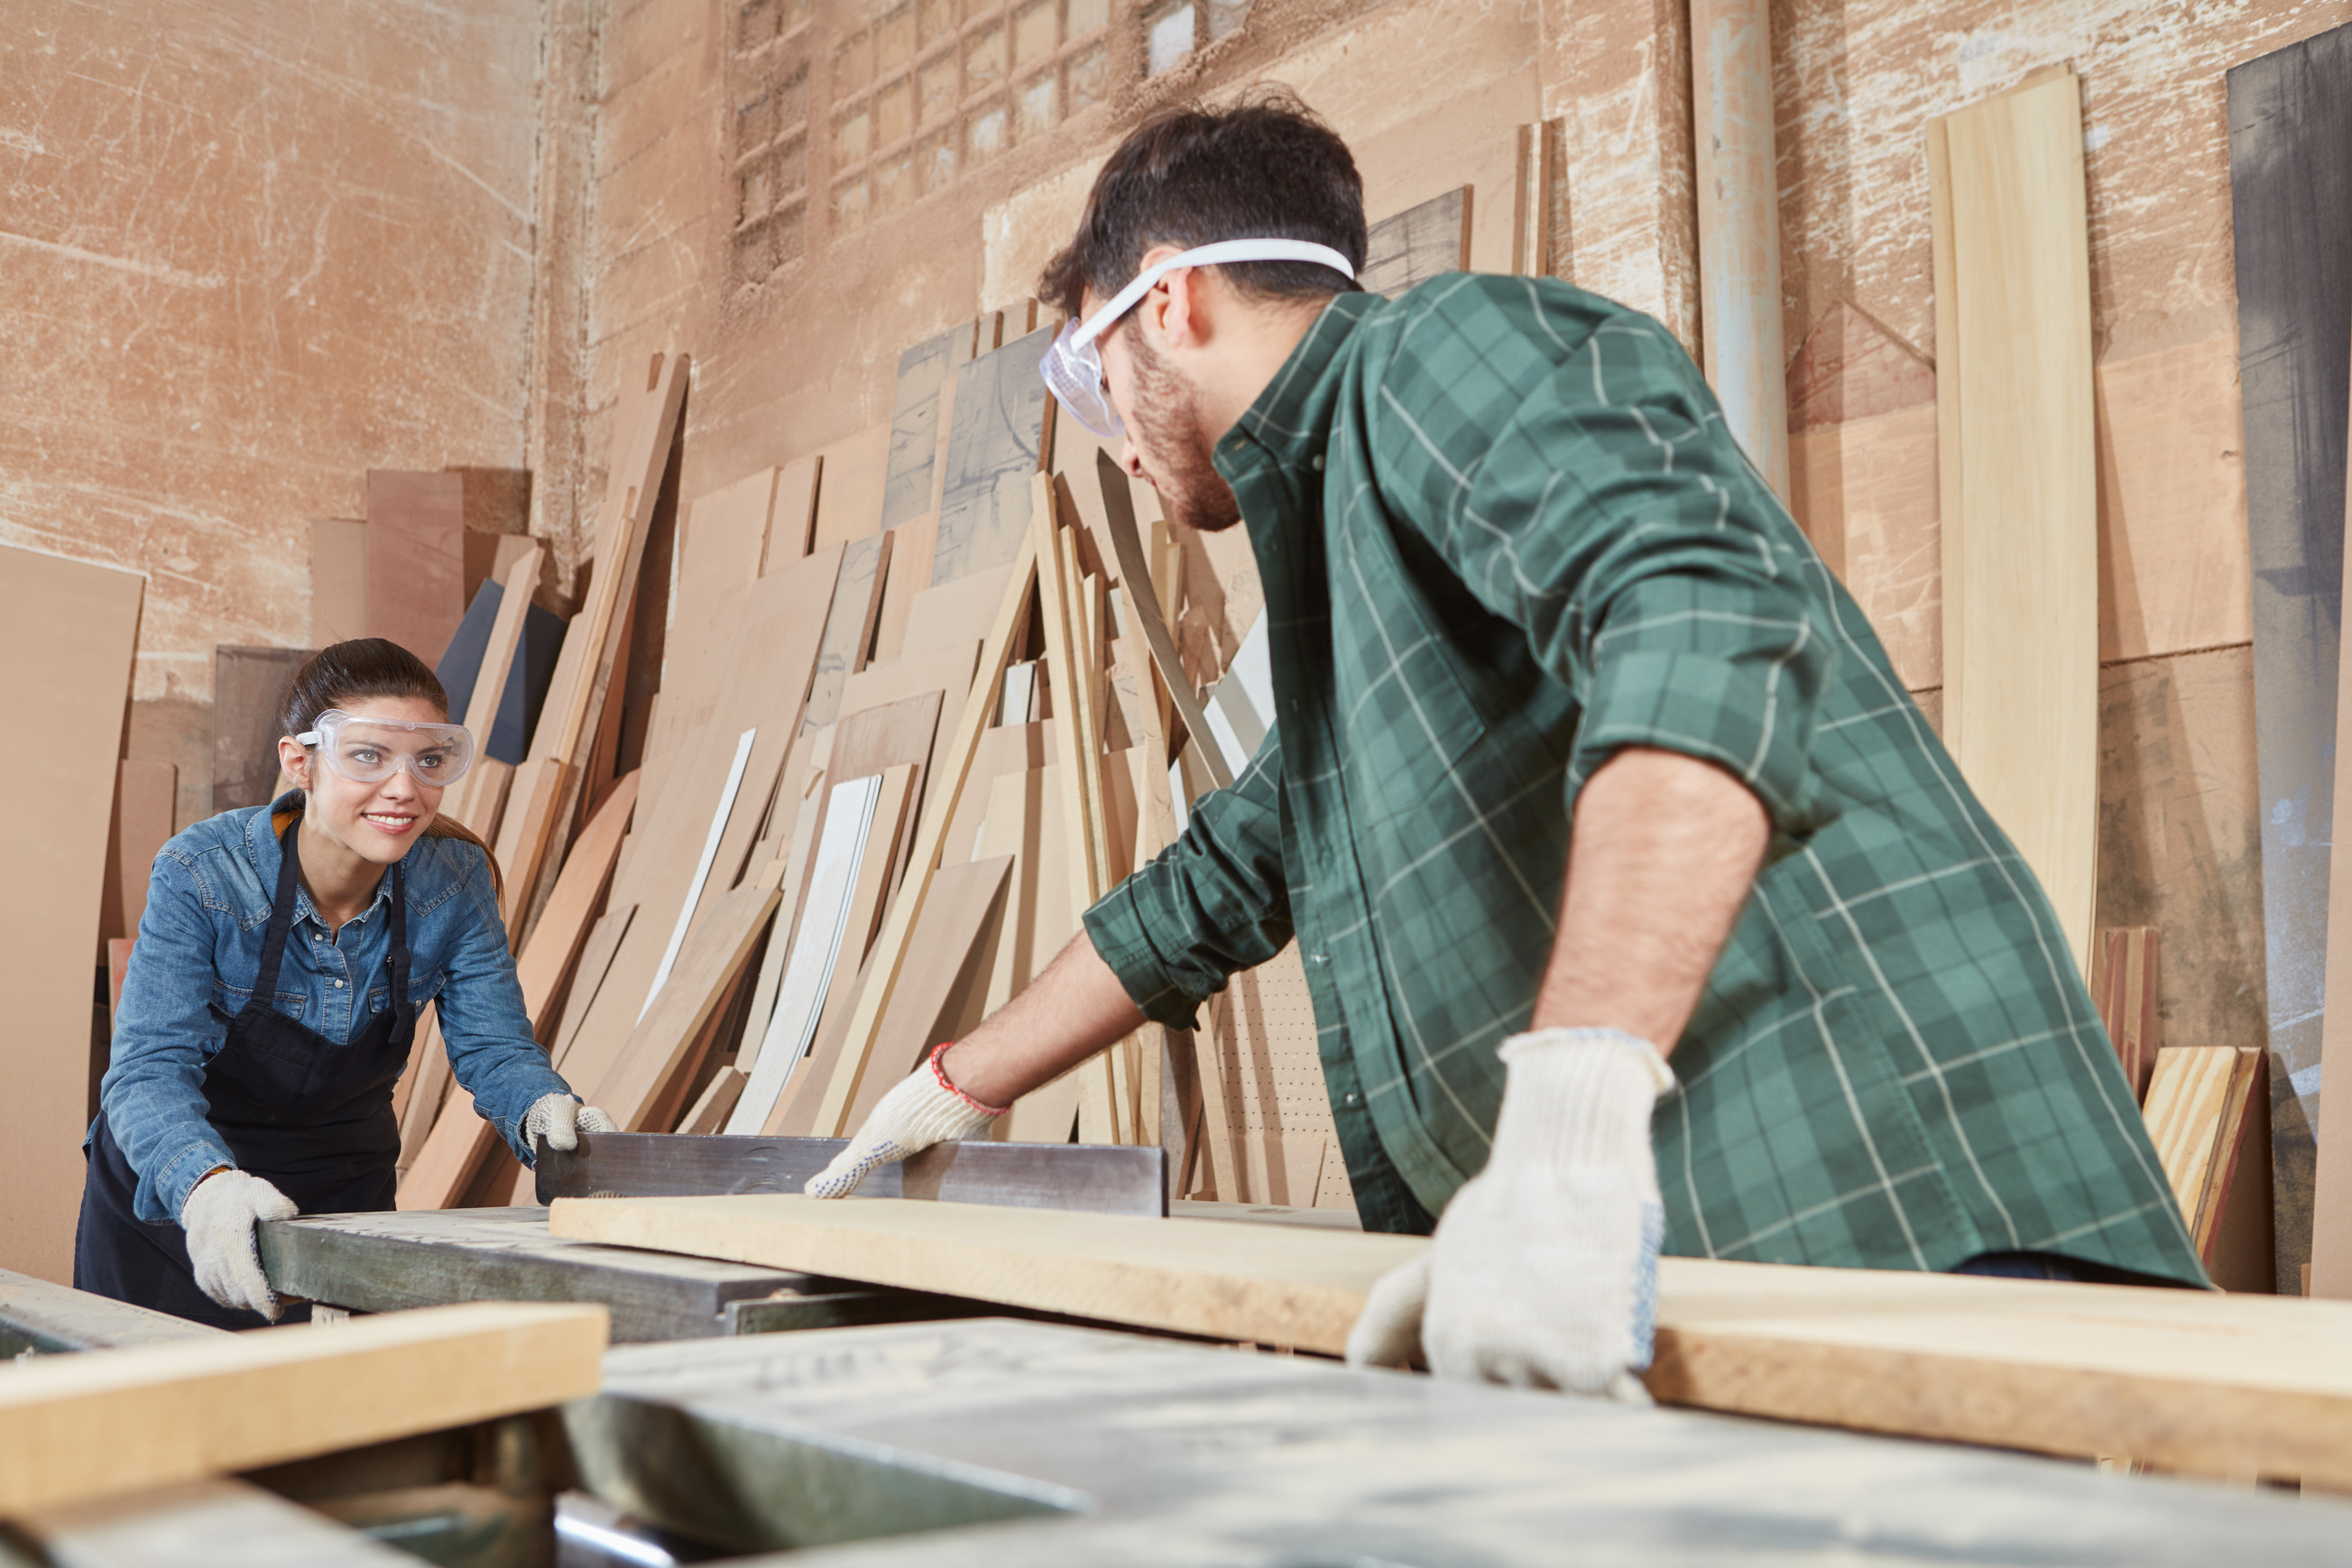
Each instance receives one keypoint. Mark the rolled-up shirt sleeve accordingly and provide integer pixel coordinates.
(1211, 903)
(1612, 516)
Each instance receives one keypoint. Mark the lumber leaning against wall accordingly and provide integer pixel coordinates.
(2019, 477)
(2291, 217)
(66, 635)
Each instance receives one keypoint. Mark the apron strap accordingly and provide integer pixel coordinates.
(404, 1011)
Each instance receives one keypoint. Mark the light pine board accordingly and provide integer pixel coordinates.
(2194, 1382)
(2020, 545)
(67, 632)
(107, 1423)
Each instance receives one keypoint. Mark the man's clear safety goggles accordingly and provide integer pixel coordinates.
(1073, 366)
(370, 751)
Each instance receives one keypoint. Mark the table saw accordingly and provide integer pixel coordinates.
(748, 1412)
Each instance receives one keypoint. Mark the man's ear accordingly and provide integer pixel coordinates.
(1181, 316)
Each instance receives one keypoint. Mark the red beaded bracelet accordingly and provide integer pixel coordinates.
(939, 1071)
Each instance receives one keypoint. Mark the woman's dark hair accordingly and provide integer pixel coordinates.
(347, 672)
(1263, 168)
(338, 676)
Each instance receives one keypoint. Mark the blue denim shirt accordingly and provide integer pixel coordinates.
(199, 953)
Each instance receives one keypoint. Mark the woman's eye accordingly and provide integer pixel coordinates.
(367, 756)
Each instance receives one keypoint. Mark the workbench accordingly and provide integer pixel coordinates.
(988, 1440)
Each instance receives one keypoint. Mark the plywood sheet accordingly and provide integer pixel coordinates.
(934, 1001)
(107, 1423)
(249, 693)
(1865, 492)
(2020, 539)
(849, 493)
(911, 544)
(923, 370)
(1418, 244)
(67, 636)
(706, 969)
(416, 558)
(1000, 415)
(849, 626)
(339, 610)
(2290, 118)
(145, 796)
(2187, 1381)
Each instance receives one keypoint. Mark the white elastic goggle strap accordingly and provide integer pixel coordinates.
(1224, 250)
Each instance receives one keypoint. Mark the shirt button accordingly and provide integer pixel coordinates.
(1352, 1098)
(1317, 462)
(338, 985)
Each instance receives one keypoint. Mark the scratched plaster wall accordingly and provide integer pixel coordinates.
(249, 249)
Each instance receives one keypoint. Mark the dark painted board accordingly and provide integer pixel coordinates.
(1418, 244)
(2291, 196)
(914, 422)
(248, 690)
(527, 678)
(992, 444)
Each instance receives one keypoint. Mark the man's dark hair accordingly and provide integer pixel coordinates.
(1265, 168)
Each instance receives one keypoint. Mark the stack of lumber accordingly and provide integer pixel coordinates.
(924, 696)
(2234, 1386)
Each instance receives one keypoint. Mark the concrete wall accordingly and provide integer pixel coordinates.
(247, 251)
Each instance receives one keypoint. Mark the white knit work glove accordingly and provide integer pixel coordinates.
(219, 1215)
(923, 1111)
(560, 1119)
(1544, 1270)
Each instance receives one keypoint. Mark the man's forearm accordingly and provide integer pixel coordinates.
(1661, 855)
(1074, 1009)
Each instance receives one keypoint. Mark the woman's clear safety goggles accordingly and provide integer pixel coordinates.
(370, 751)
(1073, 366)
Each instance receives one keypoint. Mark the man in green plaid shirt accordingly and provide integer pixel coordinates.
(1640, 904)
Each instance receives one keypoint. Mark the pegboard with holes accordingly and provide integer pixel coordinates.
(1277, 1109)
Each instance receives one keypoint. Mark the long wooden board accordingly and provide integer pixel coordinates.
(2020, 540)
(112, 1422)
(2191, 1381)
(67, 632)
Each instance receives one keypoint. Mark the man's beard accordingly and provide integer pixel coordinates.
(1167, 415)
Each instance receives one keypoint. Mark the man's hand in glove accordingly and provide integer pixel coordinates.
(219, 1217)
(560, 1118)
(923, 1111)
(1544, 1269)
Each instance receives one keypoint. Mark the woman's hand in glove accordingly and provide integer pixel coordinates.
(560, 1119)
(219, 1216)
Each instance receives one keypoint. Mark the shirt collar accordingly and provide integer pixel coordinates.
(262, 833)
(1291, 419)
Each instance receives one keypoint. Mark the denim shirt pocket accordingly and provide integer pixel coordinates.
(228, 1001)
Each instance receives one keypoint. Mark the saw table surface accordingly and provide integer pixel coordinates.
(992, 1442)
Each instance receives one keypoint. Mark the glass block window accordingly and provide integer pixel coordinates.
(769, 144)
(923, 90)
(1173, 29)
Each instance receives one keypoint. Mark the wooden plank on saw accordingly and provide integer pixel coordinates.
(849, 626)
(1001, 425)
(923, 372)
(416, 558)
(68, 631)
(942, 1000)
(248, 690)
(2123, 983)
(2021, 628)
(2290, 118)
(791, 520)
(849, 498)
(706, 969)
(110, 1423)
(946, 789)
(2188, 1380)
(1418, 244)
(462, 1138)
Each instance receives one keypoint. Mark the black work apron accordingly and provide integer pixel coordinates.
(310, 1117)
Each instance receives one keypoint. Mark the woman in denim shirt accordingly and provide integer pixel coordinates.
(272, 1000)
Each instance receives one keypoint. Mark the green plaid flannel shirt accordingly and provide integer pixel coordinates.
(1503, 533)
